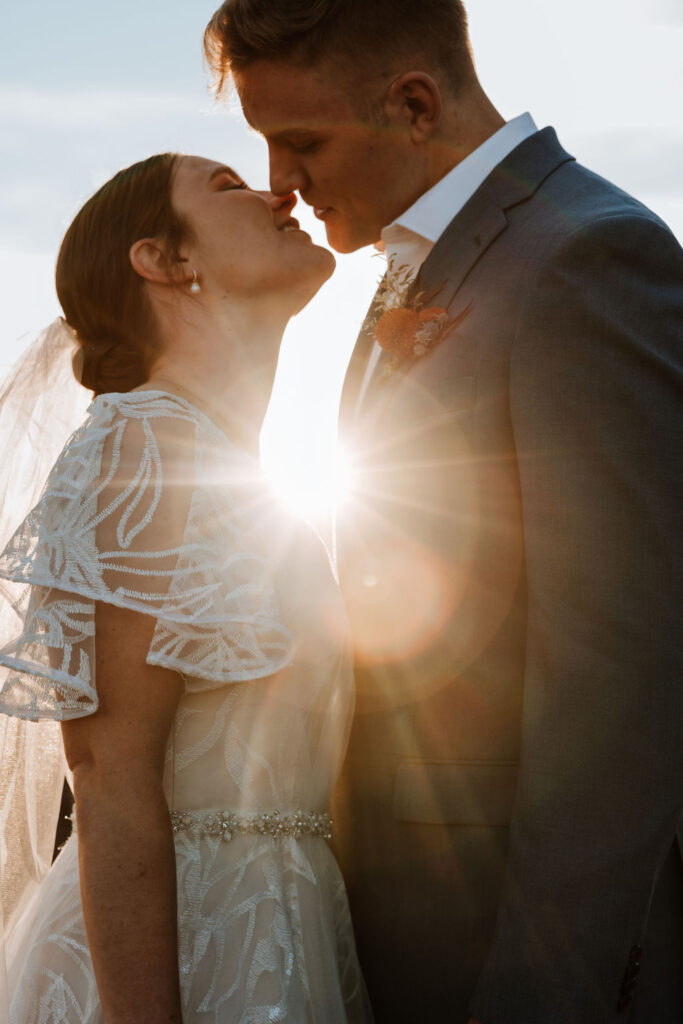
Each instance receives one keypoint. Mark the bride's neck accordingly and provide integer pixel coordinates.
(225, 366)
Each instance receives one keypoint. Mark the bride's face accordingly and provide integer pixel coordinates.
(246, 243)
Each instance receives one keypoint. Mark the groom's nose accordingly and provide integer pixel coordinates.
(285, 176)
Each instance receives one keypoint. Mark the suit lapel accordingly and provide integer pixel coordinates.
(357, 365)
(473, 230)
(464, 242)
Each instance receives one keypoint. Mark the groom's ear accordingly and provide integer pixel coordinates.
(148, 258)
(413, 103)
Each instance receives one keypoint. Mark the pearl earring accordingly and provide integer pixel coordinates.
(195, 287)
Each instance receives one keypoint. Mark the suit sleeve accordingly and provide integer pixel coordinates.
(595, 385)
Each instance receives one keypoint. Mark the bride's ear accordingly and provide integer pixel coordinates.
(148, 259)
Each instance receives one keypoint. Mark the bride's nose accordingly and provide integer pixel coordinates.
(280, 203)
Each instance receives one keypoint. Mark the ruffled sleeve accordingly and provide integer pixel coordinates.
(144, 509)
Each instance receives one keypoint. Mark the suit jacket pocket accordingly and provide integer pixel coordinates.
(455, 792)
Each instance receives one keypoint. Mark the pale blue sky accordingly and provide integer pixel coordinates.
(88, 87)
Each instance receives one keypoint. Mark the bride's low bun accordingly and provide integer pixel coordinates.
(103, 298)
(110, 365)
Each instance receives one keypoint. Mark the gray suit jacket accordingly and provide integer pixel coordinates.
(512, 567)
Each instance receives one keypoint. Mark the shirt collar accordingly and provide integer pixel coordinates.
(431, 214)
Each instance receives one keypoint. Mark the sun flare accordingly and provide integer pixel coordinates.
(310, 489)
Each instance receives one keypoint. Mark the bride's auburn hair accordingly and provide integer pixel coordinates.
(103, 298)
(361, 35)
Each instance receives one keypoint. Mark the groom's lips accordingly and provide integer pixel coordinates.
(321, 211)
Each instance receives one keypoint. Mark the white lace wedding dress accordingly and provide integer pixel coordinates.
(150, 507)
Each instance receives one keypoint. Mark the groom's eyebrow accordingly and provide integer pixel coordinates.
(292, 135)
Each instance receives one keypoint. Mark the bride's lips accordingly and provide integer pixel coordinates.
(322, 211)
(291, 224)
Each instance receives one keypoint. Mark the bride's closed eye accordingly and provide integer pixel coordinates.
(229, 186)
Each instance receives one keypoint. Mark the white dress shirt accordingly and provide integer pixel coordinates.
(409, 239)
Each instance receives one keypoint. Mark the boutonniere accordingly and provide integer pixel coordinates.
(409, 328)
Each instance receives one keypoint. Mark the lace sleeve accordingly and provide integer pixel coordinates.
(134, 513)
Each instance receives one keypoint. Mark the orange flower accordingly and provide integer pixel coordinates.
(405, 328)
(396, 330)
(427, 315)
(410, 332)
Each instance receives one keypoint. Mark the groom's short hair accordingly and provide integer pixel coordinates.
(356, 33)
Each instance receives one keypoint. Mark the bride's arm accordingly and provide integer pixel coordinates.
(126, 853)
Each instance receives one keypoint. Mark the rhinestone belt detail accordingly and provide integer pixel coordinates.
(226, 824)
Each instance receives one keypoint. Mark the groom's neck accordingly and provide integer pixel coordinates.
(468, 121)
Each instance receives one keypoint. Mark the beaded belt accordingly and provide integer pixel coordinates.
(226, 824)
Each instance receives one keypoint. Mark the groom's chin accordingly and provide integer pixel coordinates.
(345, 238)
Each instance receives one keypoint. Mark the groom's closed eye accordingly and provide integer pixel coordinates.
(300, 142)
(306, 147)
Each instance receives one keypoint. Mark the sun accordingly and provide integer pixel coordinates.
(313, 489)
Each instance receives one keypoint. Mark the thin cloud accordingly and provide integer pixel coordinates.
(670, 11)
(78, 109)
(55, 145)
(643, 162)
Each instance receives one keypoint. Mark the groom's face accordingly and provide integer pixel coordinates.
(355, 173)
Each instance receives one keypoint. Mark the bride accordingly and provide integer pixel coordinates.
(187, 636)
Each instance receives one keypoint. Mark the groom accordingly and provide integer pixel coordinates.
(507, 821)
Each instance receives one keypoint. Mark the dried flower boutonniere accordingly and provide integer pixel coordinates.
(409, 329)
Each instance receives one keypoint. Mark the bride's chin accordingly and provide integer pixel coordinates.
(330, 264)
(311, 282)
(327, 254)
(327, 262)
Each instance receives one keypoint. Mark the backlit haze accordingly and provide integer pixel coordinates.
(88, 88)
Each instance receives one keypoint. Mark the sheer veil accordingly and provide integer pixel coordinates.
(41, 404)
